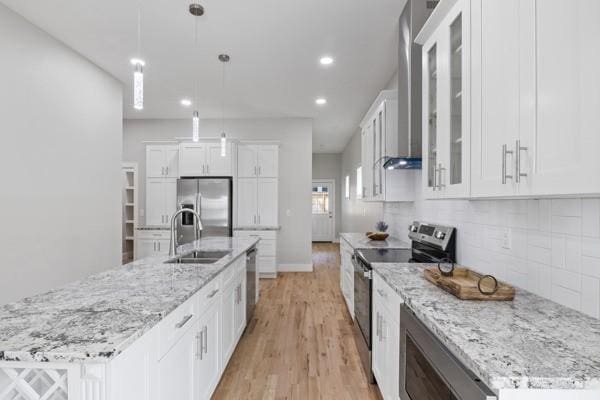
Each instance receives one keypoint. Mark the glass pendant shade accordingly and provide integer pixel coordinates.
(138, 87)
(195, 127)
(223, 145)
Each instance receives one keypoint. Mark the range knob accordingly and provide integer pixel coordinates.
(440, 235)
(412, 228)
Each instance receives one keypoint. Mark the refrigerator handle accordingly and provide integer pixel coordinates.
(199, 211)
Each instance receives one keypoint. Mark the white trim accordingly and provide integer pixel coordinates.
(331, 203)
(336, 240)
(294, 268)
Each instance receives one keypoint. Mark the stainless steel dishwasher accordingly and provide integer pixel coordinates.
(251, 283)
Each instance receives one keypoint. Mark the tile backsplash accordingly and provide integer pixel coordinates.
(548, 246)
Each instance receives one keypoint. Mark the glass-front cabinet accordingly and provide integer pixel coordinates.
(446, 102)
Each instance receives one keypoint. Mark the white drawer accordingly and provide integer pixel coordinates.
(267, 248)
(387, 296)
(266, 265)
(176, 324)
(153, 234)
(267, 235)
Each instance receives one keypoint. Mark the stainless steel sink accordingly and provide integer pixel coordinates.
(199, 257)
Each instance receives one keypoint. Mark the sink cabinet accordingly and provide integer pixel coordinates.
(184, 356)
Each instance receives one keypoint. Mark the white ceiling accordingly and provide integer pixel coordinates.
(274, 45)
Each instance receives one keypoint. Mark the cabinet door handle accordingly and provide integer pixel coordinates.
(207, 169)
(504, 175)
(162, 171)
(199, 344)
(383, 335)
(381, 293)
(259, 219)
(440, 184)
(154, 246)
(205, 337)
(518, 150)
(166, 170)
(259, 170)
(184, 321)
(158, 246)
(254, 219)
(212, 294)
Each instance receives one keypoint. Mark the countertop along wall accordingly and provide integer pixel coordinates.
(329, 166)
(555, 249)
(295, 169)
(61, 126)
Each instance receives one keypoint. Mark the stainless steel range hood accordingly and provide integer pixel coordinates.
(413, 17)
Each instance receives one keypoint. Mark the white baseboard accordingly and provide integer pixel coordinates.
(336, 240)
(294, 268)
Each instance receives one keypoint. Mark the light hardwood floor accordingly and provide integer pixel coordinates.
(299, 344)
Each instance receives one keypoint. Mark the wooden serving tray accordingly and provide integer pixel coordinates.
(463, 284)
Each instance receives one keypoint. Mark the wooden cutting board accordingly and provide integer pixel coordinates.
(463, 284)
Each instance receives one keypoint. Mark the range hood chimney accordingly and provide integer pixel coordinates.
(412, 19)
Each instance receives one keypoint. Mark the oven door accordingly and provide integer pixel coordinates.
(362, 299)
(428, 371)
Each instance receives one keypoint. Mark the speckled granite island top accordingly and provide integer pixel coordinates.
(97, 318)
(361, 241)
(530, 343)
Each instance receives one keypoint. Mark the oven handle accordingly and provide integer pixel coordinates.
(420, 252)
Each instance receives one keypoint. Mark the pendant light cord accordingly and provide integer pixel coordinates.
(139, 29)
(223, 101)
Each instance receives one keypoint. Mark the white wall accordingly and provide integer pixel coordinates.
(60, 163)
(329, 166)
(295, 168)
(555, 242)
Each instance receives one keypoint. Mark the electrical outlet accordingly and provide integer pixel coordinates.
(507, 238)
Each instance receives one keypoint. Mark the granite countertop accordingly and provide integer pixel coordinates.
(361, 241)
(96, 318)
(258, 228)
(529, 343)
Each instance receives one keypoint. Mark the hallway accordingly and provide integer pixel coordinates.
(300, 342)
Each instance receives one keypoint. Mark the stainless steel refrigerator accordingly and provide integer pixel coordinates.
(212, 197)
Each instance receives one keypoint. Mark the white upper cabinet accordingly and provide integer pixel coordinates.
(162, 161)
(535, 132)
(204, 159)
(379, 141)
(258, 161)
(563, 135)
(247, 201)
(161, 199)
(446, 101)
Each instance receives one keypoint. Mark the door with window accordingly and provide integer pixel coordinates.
(323, 220)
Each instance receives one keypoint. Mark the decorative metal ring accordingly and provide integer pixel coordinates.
(446, 273)
(488, 293)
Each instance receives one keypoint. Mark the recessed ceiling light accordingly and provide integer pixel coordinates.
(186, 102)
(321, 101)
(326, 60)
(138, 61)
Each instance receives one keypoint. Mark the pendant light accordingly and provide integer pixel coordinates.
(196, 10)
(224, 58)
(138, 67)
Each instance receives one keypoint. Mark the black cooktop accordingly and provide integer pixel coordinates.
(369, 256)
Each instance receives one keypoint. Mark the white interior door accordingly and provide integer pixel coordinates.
(323, 212)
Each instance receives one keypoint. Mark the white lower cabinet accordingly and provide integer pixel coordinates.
(386, 336)
(266, 261)
(178, 369)
(150, 243)
(185, 355)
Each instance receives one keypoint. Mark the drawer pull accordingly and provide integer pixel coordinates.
(212, 294)
(183, 321)
(381, 293)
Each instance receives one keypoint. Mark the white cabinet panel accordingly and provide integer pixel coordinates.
(172, 161)
(562, 156)
(267, 202)
(192, 159)
(145, 248)
(247, 202)
(155, 161)
(218, 165)
(496, 81)
(209, 368)
(155, 202)
(267, 161)
(366, 161)
(240, 307)
(228, 305)
(247, 160)
(267, 265)
(170, 193)
(177, 369)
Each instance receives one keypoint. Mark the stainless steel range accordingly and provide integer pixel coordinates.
(430, 243)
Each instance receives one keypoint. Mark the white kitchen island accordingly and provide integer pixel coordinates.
(146, 330)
